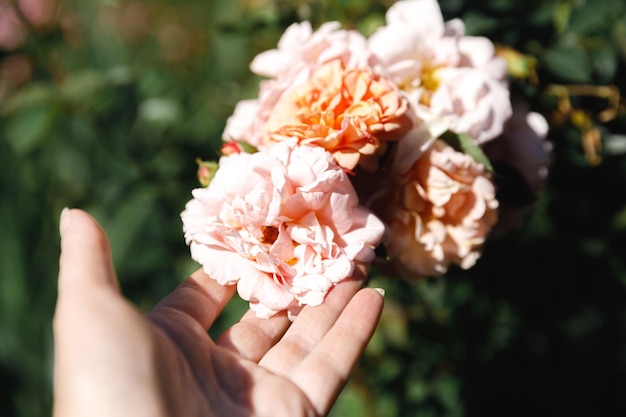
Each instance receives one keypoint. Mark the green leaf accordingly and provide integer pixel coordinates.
(592, 16)
(13, 285)
(33, 95)
(619, 36)
(160, 112)
(478, 23)
(568, 62)
(84, 88)
(619, 220)
(467, 145)
(561, 16)
(605, 62)
(27, 129)
(128, 224)
(350, 403)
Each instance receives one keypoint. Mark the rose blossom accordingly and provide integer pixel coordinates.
(12, 29)
(349, 112)
(301, 51)
(524, 147)
(38, 12)
(283, 224)
(454, 76)
(440, 213)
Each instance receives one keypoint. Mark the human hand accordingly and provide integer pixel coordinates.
(111, 360)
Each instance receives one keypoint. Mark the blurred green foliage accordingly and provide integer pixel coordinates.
(107, 105)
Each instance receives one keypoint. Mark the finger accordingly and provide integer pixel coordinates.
(252, 337)
(199, 297)
(324, 372)
(85, 263)
(87, 289)
(309, 328)
(88, 313)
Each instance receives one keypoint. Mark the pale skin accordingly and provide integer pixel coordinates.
(112, 360)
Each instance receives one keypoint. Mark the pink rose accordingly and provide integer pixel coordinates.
(302, 50)
(245, 124)
(284, 224)
(439, 214)
(472, 102)
(12, 30)
(38, 12)
(414, 39)
(479, 52)
(443, 72)
(524, 147)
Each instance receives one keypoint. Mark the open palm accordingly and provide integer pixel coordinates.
(111, 360)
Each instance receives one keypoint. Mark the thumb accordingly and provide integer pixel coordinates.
(85, 264)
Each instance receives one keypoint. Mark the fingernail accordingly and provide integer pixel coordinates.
(64, 221)
(380, 291)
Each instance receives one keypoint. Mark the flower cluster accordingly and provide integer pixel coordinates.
(355, 143)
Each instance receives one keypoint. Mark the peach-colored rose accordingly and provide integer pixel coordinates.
(440, 213)
(453, 76)
(349, 112)
(283, 224)
(301, 51)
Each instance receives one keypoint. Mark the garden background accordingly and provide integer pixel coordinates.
(105, 105)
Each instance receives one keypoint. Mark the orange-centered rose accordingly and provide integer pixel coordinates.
(349, 112)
